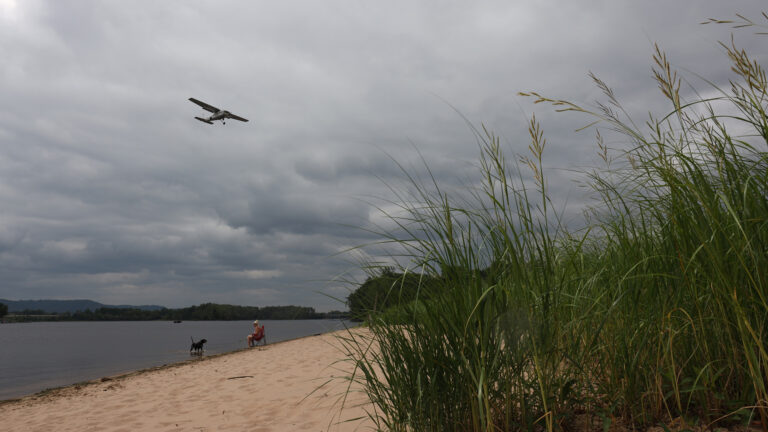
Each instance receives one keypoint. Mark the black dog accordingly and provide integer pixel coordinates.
(197, 346)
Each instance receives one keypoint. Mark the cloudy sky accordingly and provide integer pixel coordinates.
(112, 191)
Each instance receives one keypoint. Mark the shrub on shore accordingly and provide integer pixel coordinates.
(657, 312)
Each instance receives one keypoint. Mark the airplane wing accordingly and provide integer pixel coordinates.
(205, 106)
(232, 116)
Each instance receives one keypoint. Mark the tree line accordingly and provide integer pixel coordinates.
(388, 291)
(203, 312)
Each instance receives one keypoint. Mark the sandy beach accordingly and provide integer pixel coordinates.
(288, 386)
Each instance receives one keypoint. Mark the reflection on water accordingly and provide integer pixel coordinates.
(41, 355)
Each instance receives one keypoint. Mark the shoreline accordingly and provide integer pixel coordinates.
(122, 375)
(77, 352)
(296, 384)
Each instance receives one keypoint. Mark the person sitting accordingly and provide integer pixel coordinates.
(257, 335)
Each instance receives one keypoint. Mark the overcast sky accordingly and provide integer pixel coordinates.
(112, 191)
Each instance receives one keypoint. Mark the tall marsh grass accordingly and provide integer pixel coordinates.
(656, 313)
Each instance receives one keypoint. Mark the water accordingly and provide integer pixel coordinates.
(41, 355)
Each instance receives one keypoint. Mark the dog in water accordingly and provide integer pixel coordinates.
(197, 347)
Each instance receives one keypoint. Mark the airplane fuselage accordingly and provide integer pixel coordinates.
(221, 115)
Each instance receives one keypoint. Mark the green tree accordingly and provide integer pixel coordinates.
(3, 310)
(388, 289)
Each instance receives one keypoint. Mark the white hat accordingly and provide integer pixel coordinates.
(256, 322)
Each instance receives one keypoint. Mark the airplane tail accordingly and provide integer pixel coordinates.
(204, 120)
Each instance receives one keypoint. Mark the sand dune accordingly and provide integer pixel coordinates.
(288, 386)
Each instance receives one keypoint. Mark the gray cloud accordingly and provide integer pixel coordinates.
(112, 191)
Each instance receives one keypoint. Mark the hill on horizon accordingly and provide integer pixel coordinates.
(64, 306)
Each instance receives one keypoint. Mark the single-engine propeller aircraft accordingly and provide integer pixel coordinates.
(218, 114)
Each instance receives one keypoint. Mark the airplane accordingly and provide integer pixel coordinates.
(217, 113)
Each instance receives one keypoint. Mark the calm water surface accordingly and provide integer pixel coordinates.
(42, 355)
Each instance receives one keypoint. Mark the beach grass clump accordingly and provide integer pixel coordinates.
(655, 313)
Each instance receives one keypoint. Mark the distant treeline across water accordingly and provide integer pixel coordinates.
(203, 312)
